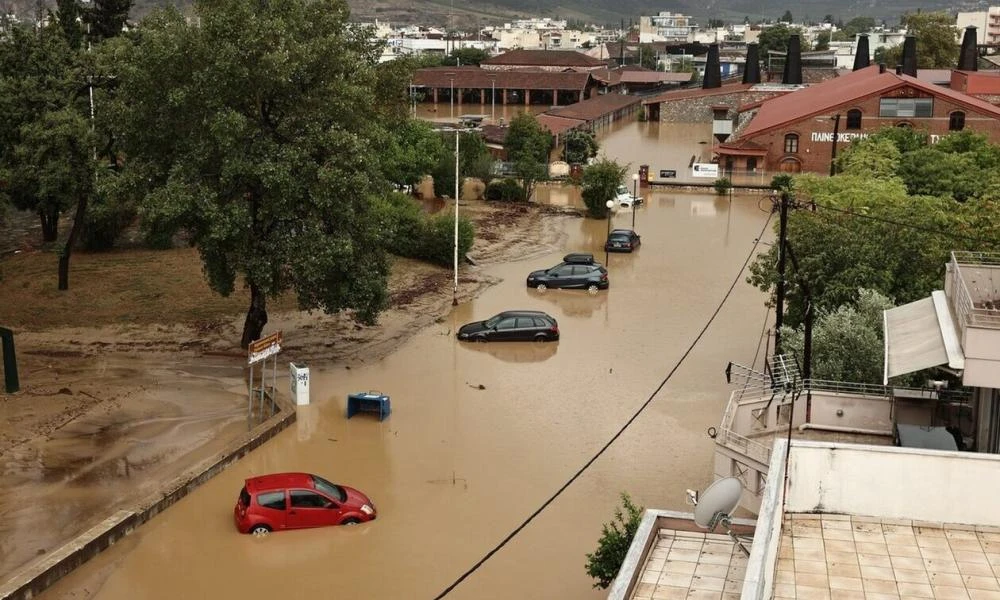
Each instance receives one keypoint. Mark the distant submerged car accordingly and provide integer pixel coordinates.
(622, 240)
(625, 199)
(512, 326)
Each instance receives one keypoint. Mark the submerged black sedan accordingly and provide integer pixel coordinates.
(512, 326)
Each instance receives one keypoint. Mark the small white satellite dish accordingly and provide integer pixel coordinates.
(715, 505)
(717, 501)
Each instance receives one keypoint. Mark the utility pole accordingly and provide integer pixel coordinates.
(454, 295)
(833, 150)
(779, 301)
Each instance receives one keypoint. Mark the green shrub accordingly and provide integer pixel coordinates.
(505, 190)
(408, 231)
(722, 185)
(438, 240)
(104, 223)
(604, 564)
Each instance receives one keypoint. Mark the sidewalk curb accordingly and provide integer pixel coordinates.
(41, 573)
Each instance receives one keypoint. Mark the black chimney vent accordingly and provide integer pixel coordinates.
(793, 62)
(881, 67)
(862, 55)
(968, 58)
(910, 56)
(713, 69)
(751, 71)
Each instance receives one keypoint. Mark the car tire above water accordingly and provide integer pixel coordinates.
(350, 521)
(260, 530)
(541, 287)
(592, 288)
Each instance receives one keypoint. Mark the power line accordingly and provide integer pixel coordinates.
(620, 431)
(901, 224)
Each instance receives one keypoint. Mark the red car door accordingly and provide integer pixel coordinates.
(310, 509)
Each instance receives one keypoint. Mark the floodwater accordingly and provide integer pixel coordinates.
(480, 436)
(54, 489)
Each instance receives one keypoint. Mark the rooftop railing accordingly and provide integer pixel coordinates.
(983, 308)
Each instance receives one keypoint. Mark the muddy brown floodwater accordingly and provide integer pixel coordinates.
(481, 435)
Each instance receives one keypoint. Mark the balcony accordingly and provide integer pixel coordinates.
(827, 411)
(972, 286)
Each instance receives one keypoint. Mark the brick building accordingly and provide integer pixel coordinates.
(794, 132)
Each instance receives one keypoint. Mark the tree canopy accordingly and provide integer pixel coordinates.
(579, 146)
(600, 181)
(253, 132)
(775, 37)
(937, 46)
(527, 145)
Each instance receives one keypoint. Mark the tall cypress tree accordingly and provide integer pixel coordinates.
(107, 18)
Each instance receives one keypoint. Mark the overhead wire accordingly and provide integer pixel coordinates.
(620, 431)
(940, 232)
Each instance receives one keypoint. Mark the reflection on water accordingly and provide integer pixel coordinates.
(516, 352)
(481, 435)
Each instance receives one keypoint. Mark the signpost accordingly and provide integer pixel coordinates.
(258, 352)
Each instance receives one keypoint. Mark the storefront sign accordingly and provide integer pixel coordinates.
(705, 170)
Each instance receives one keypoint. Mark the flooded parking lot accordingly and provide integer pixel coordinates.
(481, 435)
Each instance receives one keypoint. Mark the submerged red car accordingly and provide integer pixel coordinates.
(296, 501)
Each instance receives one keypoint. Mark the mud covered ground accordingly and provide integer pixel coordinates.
(135, 374)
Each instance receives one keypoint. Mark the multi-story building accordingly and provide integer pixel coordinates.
(666, 27)
(987, 25)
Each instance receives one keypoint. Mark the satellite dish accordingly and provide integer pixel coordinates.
(717, 502)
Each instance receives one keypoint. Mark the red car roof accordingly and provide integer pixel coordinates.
(279, 481)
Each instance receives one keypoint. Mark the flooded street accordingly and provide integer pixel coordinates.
(481, 435)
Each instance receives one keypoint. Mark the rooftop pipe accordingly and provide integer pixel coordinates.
(793, 62)
(968, 57)
(909, 66)
(751, 70)
(862, 55)
(713, 69)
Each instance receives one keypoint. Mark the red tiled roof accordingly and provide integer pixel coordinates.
(595, 107)
(728, 88)
(474, 77)
(741, 148)
(859, 84)
(545, 58)
(655, 77)
(557, 125)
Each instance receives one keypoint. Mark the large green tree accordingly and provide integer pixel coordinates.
(528, 145)
(40, 79)
(106, 18)
(868, 233)
(600, 181)
(937, 45)
(415, 150)
(474, 161)
(847, 341)
(465, 57)
(255, 132)
(775, 37)
(579, 146)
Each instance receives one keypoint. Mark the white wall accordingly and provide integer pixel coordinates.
(894, 483)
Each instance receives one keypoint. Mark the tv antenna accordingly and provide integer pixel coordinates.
(715, 505)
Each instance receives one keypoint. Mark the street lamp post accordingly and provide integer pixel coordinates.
(454, 295)
(635, 196)
(610, 204)
(451, 97)
(493, 99)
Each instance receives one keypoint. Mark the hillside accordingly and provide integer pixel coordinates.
(470, 14)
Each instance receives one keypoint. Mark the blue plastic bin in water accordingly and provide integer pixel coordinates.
(373, 402)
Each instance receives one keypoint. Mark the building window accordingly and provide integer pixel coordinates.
(791, 143)
(854, 119)
(956, 121)
(906, 107)
(752, 164)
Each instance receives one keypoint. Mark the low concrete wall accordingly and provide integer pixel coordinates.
(43, 572)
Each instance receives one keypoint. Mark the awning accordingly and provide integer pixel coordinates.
(920, 335)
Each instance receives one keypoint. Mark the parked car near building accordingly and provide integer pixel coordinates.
(298, 500)
(577, 271)
(512, 326)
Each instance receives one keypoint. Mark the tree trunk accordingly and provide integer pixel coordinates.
(50, 225)
(74, 232)
(256, 316)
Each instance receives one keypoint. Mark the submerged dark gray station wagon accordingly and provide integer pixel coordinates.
(512, 326)
(577, 271)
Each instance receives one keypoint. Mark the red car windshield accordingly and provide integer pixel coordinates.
(332, 490)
